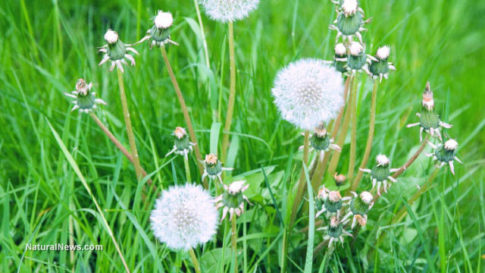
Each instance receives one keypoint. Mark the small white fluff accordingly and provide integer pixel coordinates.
(383, 52)
(356, 48)
(308, 92)
(111, 36)
(229, 10)
(163, 20)
(350, 7)
(382, 160)
(184, 217)
(451, 144)
(366, 197)
(340, 49)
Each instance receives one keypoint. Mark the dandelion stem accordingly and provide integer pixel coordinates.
(195, 262)
(370, 137)
(204, 41)
(301, 181)
(187, 169)
(116, 142)
(353, 133)
(234, 241)
(343, 132)
(232, 92)
(185, 111)
(129, 128)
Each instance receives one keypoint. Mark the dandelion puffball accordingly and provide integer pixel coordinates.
(308, 92)
(184, 217)
(229, 10)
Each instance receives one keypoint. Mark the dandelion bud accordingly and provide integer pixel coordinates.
(379, 66)
(340, 59)
(357, 58)
(184, 217)
(232, 200)
(182, 145)
(84, 99)
(335, 231)
(428, 101)
(320, 140)
(308, 93)
(159, 33)
(451, 145)
(350, 20)
(446, 154)
(381, 173)
(116, 51)
(111, 36)
(339, 179)
(340, 50)
(383, 53)
(213, 167)
(163, 20)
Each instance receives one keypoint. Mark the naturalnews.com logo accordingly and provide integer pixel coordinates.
(63, 247)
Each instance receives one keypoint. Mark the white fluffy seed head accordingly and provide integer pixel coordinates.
(229, 10)
(356, 48)
(308, 92)
(163, 20)
(340, 49)
(184, 217)
(111, 36)
(382, 160)
(350, 7)
(366, 197)
(383, 52)
(451, 144)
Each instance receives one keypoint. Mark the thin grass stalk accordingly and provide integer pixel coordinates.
(232, 92)
(353, 135)
(187, 169)
(202, 32)
(129, 128)
(301, 181)
(234, 242)
(370, 137)
(185, 112)
(343, 132)
(195, 262)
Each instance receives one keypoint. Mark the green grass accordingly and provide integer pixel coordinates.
(46, 46)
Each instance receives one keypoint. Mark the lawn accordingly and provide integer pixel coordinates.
(56, 165)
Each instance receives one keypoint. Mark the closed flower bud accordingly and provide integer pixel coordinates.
(381, 173)
(84, 99)
(116, 51)
(159, 33)
(182, 145)
(339, 179)
(213, 167)
(379, 67)
(232, 200)
(445, 154)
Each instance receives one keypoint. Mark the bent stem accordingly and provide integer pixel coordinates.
(116, 142)
(129, 128)
(204, 41)
(234, 241)
(370, 137)
(187, 169)
(343, 133)
(232, 92)
(185, 111)
(301, 181)
(353, 134)
(195, 262)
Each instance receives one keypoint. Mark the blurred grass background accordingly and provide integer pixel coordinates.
(46, 46)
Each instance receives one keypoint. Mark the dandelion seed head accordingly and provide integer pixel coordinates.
(111, 36)
(366, 197)
(340, 49)
(229, 10)
(356, 48)
(382, 160)
(308, 92)
(163, 20)
(451, 144)
(383, 52)
(184, 217)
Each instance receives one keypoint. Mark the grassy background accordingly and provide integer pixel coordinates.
(46, 46)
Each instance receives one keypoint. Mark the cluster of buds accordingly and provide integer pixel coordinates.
(182, 144)
(232, 200)
(321, 142)
(359, 206)
(429, 120)
(381, 173)
(84, 99)
(213, 167)
(159, 33)
(116, 51)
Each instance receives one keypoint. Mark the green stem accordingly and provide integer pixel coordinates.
(353, 134)
(187, 169)
(129, 128)
(301, 181)
(204, 41)
(195, 262)
(234, 242)
(185, 111)
(232, 92)
(370, 137)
